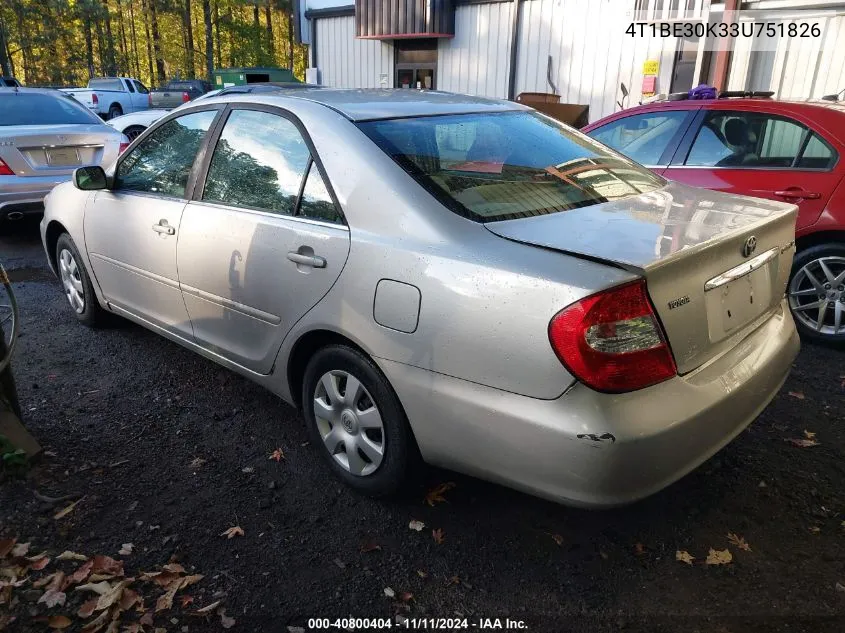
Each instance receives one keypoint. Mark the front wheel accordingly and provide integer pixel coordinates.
(356, 421)
(816, 293)
(114, 111)
(76, 284)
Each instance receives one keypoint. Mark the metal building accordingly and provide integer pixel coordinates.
(577, 49)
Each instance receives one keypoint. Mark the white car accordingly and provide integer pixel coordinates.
(133, 124)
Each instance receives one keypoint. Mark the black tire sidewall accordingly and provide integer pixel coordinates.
(802, 258)
(92, 315)
(400, 449)
(114, 111)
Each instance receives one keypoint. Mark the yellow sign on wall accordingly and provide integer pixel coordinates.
(651, 66)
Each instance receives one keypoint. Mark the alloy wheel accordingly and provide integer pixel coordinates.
(72, 280)
(349, 422)
(817, 295)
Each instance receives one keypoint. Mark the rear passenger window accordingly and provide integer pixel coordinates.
(643, 137)
(817, 154)
(259, 163)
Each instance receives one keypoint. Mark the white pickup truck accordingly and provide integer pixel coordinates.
(112, 96)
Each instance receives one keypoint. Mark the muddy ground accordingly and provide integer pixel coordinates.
(127, 418)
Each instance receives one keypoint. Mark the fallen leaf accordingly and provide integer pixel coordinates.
(52, 598)
(278, 455)
(99, 577)
(6, 546)
(196, 462)
(437, 535)
(684, 556)
(87, 608)
(63, 513)
(59, 622)
(406, 596)
(107, 565)
(108, 599)
(454, 580)
(225, 621)
(802, 443)
(165, 600)
(174, 568)
(126, 549)
(815, 529)
(21, 549)
(232, 532)
(146, 619)
(639, 549)
(97, 623)
(82, 572)
(810, 435)
(422, 574)
(740, 542)
(208, 609)
(370, 546)
(187, 581)
(416, 525)
(68, 555)
(129, 599)
(840, 588)
(46, 580)
(797, 395)
(134, 627)
(38, 562)
(557, 538)
(186, 600)
(435, 495)
(100, 588)
(389, 592)
(718, 557)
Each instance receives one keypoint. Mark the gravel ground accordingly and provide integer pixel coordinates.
(125, 413)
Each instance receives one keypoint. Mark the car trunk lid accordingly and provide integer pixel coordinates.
(716, 265)
(41, 150)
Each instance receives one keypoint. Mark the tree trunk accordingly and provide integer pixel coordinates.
(98, 29)
(110, 63)
(268, 17)
(231, 44)
(256, 34)
(23, 40)
(5, 68)
(134, 42)
(217, 34)
(161, 73)
(125, 63)
(145, 5)
(209, 40)
(89, 43)
(290, 42)
(189, 41)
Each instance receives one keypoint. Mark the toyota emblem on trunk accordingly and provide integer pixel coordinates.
(749, 247)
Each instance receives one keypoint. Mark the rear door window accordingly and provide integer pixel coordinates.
(643, 137)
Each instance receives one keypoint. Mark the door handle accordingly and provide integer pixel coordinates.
(798, 194)
(315, 261)
(164, 227)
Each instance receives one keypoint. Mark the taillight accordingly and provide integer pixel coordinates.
(94, 98)
(5, 170)
(612, 341)
(122, 147)
(185, 97)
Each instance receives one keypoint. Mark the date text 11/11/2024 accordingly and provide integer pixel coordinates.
(420, 624)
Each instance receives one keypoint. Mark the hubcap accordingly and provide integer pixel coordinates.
(349, 422)
(817, 295)
(71, 280)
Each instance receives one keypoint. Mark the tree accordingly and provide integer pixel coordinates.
(189, 40)
(209, 40)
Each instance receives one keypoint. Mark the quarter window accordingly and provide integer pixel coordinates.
(643, 137)
(259, 163)
(162, 163)
(316, 203)
(750, 139)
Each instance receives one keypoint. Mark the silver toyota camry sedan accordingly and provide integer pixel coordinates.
(44, 135)
(442, 278)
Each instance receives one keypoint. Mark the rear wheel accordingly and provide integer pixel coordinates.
(134, 131)
(114, 110)
(356, 421)
(77, 284)
(817, 293)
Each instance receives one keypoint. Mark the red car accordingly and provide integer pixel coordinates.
(782, 150)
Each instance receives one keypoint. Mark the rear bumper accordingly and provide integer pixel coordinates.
(25, 195)
(592, 449)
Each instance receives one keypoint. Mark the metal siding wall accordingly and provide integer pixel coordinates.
(347, 62)
(476, 60)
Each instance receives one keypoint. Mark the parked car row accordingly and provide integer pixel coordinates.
(440, 277)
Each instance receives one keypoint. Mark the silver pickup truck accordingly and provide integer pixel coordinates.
(177, 92)
(112, 96)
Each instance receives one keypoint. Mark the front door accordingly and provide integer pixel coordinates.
(753, 153)
(261, 243)
(131, 230)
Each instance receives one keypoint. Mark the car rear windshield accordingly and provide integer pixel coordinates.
(105, 84)
(508, 165)
(21, 108)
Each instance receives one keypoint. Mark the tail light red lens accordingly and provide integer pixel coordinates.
(612, 341)
(185, 97)
(122, 148)
(94, 98)
(5, 170)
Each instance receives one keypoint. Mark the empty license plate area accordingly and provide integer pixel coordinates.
(740, 295)
(62, 157)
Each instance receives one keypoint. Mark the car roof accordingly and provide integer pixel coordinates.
(370, 104)
(22, 90)
(761, 103)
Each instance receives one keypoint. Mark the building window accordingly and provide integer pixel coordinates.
(416, 63)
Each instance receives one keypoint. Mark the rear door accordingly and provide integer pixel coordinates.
(742, 150)
(650, 137)
(131, 230)
(262, 241)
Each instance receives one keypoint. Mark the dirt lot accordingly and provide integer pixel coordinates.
(128, 417)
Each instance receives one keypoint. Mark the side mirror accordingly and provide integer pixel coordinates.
(624, 89)
(90, 178)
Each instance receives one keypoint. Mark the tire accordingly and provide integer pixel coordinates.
(345, 421)
(76, 281)
(825, 264)
(133, 131)
(114, 110)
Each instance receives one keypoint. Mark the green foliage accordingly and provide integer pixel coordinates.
(64, 42)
